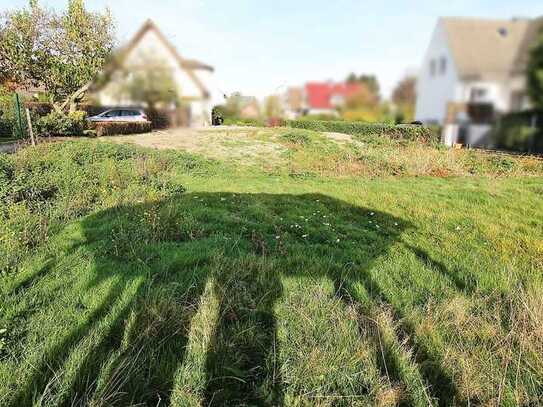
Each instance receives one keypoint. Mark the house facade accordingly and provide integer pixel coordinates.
(149, 49)
(474, 65)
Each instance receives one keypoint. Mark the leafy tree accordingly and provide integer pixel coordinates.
(233, 105)
(404, 96)
(60, 52)
(363, 98)
(152, 84)
(535, 72)
(371, 82)
(273, 107)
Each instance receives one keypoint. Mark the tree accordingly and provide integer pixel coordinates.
(152, 84)
(535, 72)
(405, 91)
(371, 82)
(362, 98)
(273, 107)
(60, 52)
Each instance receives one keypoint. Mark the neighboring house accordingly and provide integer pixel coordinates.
(249, 108)
(474, 65)
(320, 97)
(193, 79)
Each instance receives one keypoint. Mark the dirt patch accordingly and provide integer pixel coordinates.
(246, 145)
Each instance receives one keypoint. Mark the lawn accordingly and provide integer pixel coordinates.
(339, 272)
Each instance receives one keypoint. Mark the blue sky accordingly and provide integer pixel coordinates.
(261, 47)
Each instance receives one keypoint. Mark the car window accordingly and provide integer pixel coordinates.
(112, 113)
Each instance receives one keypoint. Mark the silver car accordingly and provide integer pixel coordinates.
(120, 115)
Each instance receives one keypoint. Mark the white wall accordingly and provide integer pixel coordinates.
(434, 92)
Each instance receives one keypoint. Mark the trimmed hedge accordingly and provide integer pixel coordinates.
(112, 128)
(399, 132)
(519, 131)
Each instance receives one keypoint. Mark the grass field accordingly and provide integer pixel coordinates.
(339, 272)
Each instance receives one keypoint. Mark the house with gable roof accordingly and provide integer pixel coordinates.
(193, 79)
(474, 67)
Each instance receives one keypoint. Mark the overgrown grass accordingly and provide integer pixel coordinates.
(139, 277)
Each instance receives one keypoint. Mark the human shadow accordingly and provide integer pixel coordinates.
(156, 259)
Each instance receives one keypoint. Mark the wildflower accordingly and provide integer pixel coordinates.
(277, 237)
(458, 228)
(304, 236)
(337, 240)
(372, 213)
(223, 199)
(395, 223)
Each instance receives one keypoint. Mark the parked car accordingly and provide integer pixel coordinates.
(120, 115)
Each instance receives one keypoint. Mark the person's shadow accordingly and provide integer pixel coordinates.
(158, 258)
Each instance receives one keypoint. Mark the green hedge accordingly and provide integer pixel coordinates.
(112, 128)
(519, 131)
(400, 131)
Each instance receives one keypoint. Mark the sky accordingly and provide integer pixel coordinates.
(261, 47)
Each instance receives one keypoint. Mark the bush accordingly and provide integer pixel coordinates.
(60, 124)
(522, 131)
(7, 114)
(112, 128)
(400, 132)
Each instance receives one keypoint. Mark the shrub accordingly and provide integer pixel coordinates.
(112, 128)
(7, 114)
(60, 124)
(400, 132)
(522, 131)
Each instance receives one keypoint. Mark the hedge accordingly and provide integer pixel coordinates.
(111, 128)
(519, 131)
(400, 131)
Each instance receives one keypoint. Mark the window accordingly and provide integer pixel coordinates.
(477, 94)
(442, 65)
(432, 67)
(112, 113)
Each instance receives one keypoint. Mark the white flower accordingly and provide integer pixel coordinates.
(337, 240)
(304, 236)
(223, 199)
(371, 213)
(395, 223)
(458, 228)
(277, 237)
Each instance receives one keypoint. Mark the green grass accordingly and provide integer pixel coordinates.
(133, 277)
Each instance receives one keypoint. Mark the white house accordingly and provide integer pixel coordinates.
(193, 79)
(474, 61)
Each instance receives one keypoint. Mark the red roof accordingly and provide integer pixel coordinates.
(319, 94)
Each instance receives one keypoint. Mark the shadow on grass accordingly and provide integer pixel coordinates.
(160, 256)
